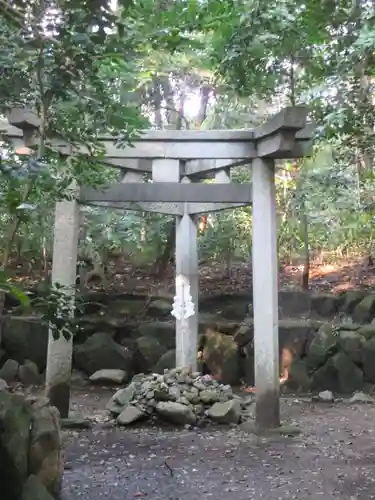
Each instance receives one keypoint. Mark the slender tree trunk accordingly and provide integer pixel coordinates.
(306, 248)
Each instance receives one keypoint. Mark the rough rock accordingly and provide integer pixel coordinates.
(245, 332)
(101, 352)
(179, 395)
(75, 422)
(295, 335)
(160, 308)
(349, 300)
(163, 331)
(367, 331)
(108, 376)
(28, 374)
(364, 311)
(124, 396)
(15, 423)
(176, 413)
(3, 385)
(326, 396)
(361, 397)
(324, 378)
(226, 413)
(78, 378)
(298, 376)
(325, 304)
(349, 376)
(129, 415)
(221, 356)
(166, 362)
(368, 354)
(150, 350)
(25, 338)
(34, 489)
(339, 374)
(9, 371)
(322, 346)
(351, 342)
(45, 456)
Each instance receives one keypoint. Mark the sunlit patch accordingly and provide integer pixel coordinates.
(24, 151)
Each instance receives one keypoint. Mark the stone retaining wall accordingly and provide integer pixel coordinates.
(118, 332)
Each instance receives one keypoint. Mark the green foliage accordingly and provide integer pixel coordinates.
(56, 309)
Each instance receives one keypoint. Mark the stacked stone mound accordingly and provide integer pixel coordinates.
(179, 396)
(31, 464)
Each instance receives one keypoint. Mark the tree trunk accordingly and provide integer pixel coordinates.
(160, 265)
(306, 248)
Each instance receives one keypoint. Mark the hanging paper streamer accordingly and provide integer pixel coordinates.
(183, 305)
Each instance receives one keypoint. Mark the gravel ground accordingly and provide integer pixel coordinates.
(333, 457)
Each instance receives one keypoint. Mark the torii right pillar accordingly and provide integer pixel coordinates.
(265, 294)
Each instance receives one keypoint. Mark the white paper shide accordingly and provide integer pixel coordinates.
(183, 305)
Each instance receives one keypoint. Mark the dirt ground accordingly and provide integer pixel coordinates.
(333, 457)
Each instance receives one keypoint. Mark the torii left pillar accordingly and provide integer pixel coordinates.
(64, 272)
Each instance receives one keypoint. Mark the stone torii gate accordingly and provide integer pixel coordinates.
(177, 160)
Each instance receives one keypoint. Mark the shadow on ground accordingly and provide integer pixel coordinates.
(333, 457)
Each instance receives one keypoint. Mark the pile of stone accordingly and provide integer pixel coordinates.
(179, 396)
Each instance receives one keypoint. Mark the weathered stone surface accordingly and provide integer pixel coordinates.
(326, 397)
(108, 376)
(367, 331)
(221, 356)
(9, 371)
(78, 378)
(361, 398)
(160, 308)
(190, 390)
(166, 362)
(3, 385)
(368, 354)
(124, 396)
(247, 364)
(349, 376)
(365, 310)
(75, 422)
(228, 412)
(325, 305)
(294, 303)
(339, 374)
(236, 310)
(101, 352)
(127, 306)
(45, 456)
(322, 346)
(175, 412)
(349, 300)
(15, 423)
(245, 333)
(129, 415)
(150, 350)
(34, 489)
(324, 378)
(351, 342)
(295, 335)
(25, 338)
(298, 376)
(28, 374)
(163, 331)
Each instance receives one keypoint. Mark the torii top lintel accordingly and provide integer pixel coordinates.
(285, 135)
